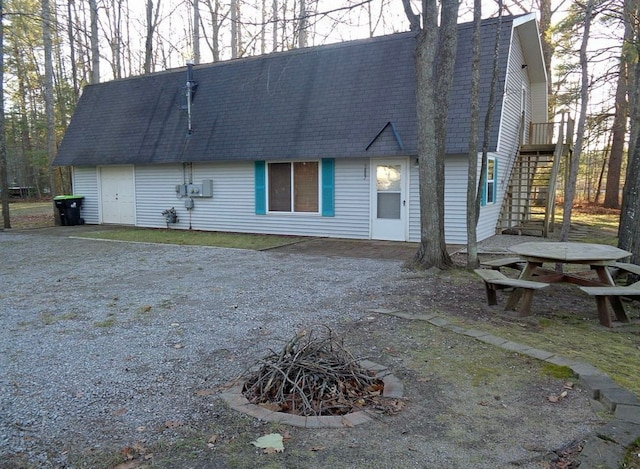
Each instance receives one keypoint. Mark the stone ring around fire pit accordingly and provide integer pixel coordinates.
(393, 388)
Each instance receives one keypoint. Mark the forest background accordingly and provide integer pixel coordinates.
(51, 49)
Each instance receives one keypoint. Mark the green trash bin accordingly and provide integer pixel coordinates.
(69, 207)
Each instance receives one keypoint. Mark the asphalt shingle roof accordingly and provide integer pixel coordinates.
(326, 101)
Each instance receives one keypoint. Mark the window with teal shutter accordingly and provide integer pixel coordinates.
(488, 181)
(291, 187)
(494, 198)
(328, 187)
(261, 187)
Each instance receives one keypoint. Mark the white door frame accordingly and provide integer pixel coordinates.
(122, 198)
(394, 227)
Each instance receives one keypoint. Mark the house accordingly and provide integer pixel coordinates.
(319, 141)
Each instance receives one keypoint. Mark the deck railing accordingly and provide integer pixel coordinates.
(541, 133)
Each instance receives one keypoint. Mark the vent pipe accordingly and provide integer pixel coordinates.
(190, 90)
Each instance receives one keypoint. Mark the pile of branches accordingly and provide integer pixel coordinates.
(313, 376)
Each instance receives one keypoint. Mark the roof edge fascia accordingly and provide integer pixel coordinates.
(527, 27)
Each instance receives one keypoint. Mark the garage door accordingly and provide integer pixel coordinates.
(117, 195)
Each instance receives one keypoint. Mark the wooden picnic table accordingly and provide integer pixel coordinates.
(597, 256)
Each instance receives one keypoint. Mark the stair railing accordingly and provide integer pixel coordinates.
(559, 150)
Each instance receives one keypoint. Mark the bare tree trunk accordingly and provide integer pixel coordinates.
(48, 92)
(473, 203)
(619, 133)
(263, 29)
(570, 184)
(274, 12)
(427, 145)
(152, 23)
(196, 31)
(95, 44)
(302, 24)
(234, 29)
(435, 58)
(21, 102)
(214, 14)
(491, 105)
(72, 48)
(115, 41)
(4, 183)
(619, 128)
(547, 48)
(629, 230)
(414, 19)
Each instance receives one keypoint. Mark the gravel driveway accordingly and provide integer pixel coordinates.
(104, 342)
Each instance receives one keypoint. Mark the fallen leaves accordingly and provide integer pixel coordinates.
(270, 444)
(135, 456)
(212, 441)
(173, 424)
(557, 398)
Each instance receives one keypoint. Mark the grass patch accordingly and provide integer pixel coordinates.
(615, 352)
(557, 371)
(602, 223)
(109, 322)
(49, 318)
(196, 238)
(632, 456)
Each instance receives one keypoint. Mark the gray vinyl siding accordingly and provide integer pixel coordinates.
(414, 201)
(455, 200)
(85, 183)
(489, 213)
(539, 111)
(456, 168)
(155, 192)
(232, 207)
(516, 78)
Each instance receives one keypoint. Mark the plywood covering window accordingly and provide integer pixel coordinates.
(293, 187)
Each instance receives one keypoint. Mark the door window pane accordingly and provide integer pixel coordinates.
(389, 205)
(388, 177)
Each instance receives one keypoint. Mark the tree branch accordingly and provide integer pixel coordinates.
(414, 19)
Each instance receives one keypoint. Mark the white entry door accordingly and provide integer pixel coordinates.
(117, 195)
(389, 200)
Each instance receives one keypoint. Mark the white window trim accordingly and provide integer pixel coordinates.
(492, 180)
(292, 211)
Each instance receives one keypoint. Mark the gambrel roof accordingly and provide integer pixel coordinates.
(352, 99)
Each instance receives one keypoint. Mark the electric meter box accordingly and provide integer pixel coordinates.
(205, 189)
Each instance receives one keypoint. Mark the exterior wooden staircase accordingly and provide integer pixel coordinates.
(528, 207)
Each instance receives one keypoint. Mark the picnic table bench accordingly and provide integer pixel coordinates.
(620, 268)
(511, 262)
(602, 293)
(495, 280)
(600, 258)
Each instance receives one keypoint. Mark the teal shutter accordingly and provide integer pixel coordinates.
(495, 180)
(483, 184)
(261, 187)
(328, 187)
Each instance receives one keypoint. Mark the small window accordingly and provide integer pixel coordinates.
(293, 187)
(491, 181)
